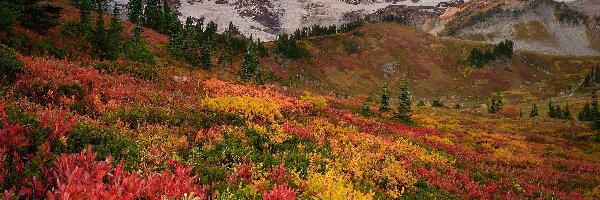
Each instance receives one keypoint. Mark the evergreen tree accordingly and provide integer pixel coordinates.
(249, 67)
(135, 49)
(495, 104)
(99, 36)
(136, 13)
(113, 43)
(385, 100)
(206, 54)
(365, 110)
(404, 111)
(226, 57)
(85, 16)
(567, 113)
(551, 110)
(594, 112)
(534, 111)
(585, 114)
(31, 14)
(232, 29)
(153, 15)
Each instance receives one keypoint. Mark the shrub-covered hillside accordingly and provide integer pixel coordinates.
(140, 114)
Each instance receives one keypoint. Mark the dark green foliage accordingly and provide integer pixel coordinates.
(10, 66)
(585, 114)
(71, 90)
(136, 13)
(290, 47)
(232, 29)
(565, 14)
(317, 30)
(351, 47)
(34, 15)
(249, 68)
(404, 111)
(479, 58)
(385, 100)
(226, 56)
(85, 16)
(113, 41)
(534, 111)
(135, 69)
(593, 77)
(153, 15)
(393, 18)
(365, 110)
(8, 16)
(206, 54)
(556, 112)
(457, 106)
(135, 49)
(424, 191)
(105, 142)
(421, 103)
(437, 103)
(495, 104)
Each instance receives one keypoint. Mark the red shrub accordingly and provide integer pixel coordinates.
(509, 111)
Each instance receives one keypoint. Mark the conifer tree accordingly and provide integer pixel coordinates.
(85, 16)
(99, 35)
(594, 112)
(567, 113)
(495, 104)
(114, 36)
(385, 100)
(365, 110)
(226, 57)
(551, 110)
(585, 114)
(249, 67)
(153, 15)
(404, 112)
(136, 12)
(206, 54)
(534, 111)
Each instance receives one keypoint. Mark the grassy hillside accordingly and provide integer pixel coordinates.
(361, 61)
(75, 127)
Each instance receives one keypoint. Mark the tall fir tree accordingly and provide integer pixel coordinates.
(226, 56)
(153, 15)
(551, 110)
(206, 54)
(85, 16)
(534, 111)
(585, 114)
(114, 36)
(594, 112)
(249, 68)
(385, 100)
(99, 35)
(404, 112)
(136, 11)
(566, 113)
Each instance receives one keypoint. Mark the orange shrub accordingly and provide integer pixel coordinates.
(509, 111)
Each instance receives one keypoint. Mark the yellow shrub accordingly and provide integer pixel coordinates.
(248, 107)
(318, 102)
(331, 186)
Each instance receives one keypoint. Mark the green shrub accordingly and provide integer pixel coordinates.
(139, 51)
(10, 66)
(135, 69)
(437, 103)
(105, 142)
(351, 47)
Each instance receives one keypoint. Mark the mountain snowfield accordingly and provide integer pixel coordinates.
(265, 19)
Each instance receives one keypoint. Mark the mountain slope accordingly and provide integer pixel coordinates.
(539, 25)
(389, 52)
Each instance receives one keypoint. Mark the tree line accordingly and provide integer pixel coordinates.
(478, 58)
